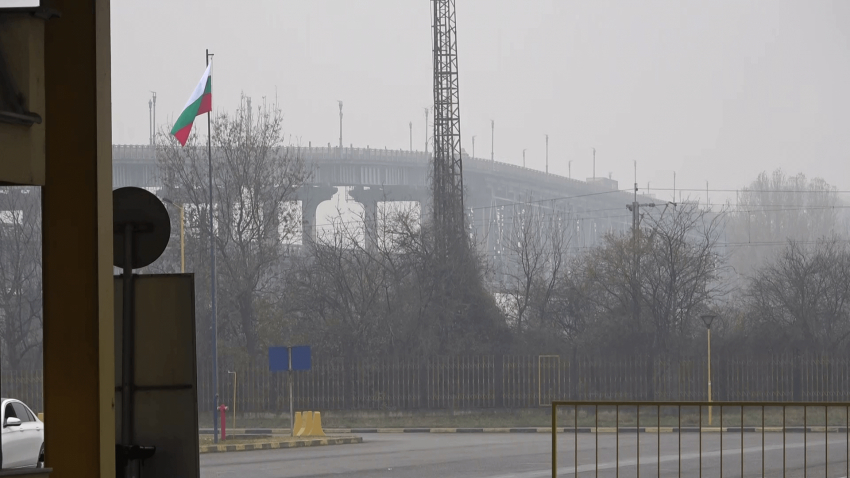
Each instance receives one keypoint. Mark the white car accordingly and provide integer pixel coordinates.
(22, 438)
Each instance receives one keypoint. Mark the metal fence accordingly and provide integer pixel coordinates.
(771, 448)
(509, 381)
(25, 385)
(475, 382)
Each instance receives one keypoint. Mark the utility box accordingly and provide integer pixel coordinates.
(165, 391)
(22, 105)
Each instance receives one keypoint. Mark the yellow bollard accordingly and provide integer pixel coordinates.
(306, 424)
(317, 425)
(298, 423)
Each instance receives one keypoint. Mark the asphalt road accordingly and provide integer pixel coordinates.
(529, 456)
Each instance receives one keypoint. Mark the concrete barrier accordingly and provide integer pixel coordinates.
(308, 424)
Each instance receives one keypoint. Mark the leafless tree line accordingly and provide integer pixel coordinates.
(353, 290)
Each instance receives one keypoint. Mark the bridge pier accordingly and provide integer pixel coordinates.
(369, 197)
(311, 197)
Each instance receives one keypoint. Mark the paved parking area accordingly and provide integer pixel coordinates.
(528, 456)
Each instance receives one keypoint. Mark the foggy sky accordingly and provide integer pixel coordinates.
(716, 91)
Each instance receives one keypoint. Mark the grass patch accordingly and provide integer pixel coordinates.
(587, 417)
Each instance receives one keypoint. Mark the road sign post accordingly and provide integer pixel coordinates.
(290, 359)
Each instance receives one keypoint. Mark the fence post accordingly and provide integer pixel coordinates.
(499, 379)
(422, 382)
(574, 375)
(798, 376)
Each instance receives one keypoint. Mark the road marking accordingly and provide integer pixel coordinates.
(649, 460)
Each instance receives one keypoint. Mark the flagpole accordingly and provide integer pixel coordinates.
(212, 279)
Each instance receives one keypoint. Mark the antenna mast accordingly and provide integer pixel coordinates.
(447, 164)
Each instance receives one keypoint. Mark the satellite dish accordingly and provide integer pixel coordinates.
(146, 214)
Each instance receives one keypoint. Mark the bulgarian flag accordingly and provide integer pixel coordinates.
(199, 103)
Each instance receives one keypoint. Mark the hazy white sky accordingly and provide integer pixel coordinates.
(715, 90)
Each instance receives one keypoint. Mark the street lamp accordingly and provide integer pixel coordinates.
(182, 256)
(473, 145)
(426, 130)
(492, 134)
(340, 124)
(707, 320)
(234, 397)
(523, 158)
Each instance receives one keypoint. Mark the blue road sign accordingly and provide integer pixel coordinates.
(301, 357)
(278, 359)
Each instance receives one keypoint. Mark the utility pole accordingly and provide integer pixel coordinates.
(340, 124)
(634, 207)
(473, 145)
(150, 122)
(492, 134)
(547, 154)
(635, 257)
(523, 158)
(411, 136)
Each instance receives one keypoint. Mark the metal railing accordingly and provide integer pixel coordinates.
(840, 419)
(529, 381)
(509, 381)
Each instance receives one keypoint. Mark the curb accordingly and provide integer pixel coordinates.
(338, 431)
(279, 445)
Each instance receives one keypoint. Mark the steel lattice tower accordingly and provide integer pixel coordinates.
(448, 167)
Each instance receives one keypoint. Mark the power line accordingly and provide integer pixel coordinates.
(550, 199)
(745, 190)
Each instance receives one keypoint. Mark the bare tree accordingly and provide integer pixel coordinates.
(255, 178)
(802, 298)
(376, 291)
(776, 208)
(20, 275)
(536, 252)
(680, 270)
(645, 291)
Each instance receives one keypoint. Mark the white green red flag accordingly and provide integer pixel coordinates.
(199, 103)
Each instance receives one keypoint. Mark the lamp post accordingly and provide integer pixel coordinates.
(570, 168)
(473, 145)
(182, 256)
(547, 154)
(492, 135)
(708, 319)
(340, 124)
(523, 158)
(426, 130)
(234, 397)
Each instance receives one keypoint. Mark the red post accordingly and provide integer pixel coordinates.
(222, 408)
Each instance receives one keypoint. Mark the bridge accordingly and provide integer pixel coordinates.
(372, 176)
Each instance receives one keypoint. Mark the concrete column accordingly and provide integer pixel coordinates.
(369, 198)
(311, 197)
(79, 313)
